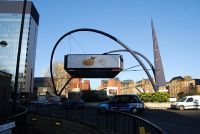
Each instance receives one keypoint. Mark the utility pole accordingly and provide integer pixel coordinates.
(18, 55)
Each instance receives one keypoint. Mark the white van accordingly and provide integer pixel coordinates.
(187, 102)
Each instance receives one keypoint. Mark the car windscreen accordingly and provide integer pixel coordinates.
(182, 99)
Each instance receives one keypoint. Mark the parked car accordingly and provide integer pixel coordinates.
(187, 102)
(75, 103)
(125, 103)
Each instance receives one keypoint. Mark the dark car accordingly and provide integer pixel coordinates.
(75, 103)
(125, 103)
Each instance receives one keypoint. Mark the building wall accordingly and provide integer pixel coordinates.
(85, 85)
(145, 86)
(43, 85)
(115, 83)
(10, 24)
(31, 54)
(198, 88)
(180, 84)
(5, 93)
(124, 87)
(176, 85)
(104, 84)
(127, 87)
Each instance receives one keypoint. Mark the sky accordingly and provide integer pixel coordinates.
(177, 24)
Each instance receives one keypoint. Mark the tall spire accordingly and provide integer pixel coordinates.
(160, 77)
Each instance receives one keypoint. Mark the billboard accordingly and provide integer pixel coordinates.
(111, 91)
(93, 65)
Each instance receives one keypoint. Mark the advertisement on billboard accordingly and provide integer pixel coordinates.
(94, 61)
(111, 91)
(93, 65)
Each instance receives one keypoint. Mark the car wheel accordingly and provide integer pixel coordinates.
(134, 110)
(181, 108)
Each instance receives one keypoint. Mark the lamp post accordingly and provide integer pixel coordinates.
(18, 55)
(3, 43)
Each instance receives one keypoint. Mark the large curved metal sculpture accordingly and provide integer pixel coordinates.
(114, 51)
(141, 55)
(107, 35)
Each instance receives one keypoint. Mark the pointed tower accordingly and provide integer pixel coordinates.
(159, 72)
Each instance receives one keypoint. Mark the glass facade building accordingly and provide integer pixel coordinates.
(10, 24)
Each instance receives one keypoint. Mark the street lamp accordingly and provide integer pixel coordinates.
(3, 43)
(18, 55)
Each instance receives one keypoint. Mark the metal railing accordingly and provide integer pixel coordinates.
(19, 119)
(108, 122)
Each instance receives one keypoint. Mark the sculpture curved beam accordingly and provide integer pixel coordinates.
(107, 35)
(141, 55)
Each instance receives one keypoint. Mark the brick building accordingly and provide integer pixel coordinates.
(145, 86)
(185, 85)
(85, 85)
(128, 87)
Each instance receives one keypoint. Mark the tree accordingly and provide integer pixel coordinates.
(60, 77)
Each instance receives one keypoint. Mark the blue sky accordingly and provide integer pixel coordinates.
(177, 23)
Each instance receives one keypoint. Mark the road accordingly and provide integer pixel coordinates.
(174, 121)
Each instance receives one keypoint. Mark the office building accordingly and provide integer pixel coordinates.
(11, 19)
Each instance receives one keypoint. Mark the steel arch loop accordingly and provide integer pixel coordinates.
(109, 36)
(141, 55)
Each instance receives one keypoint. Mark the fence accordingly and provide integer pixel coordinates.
(16, 121)
(107, 122)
